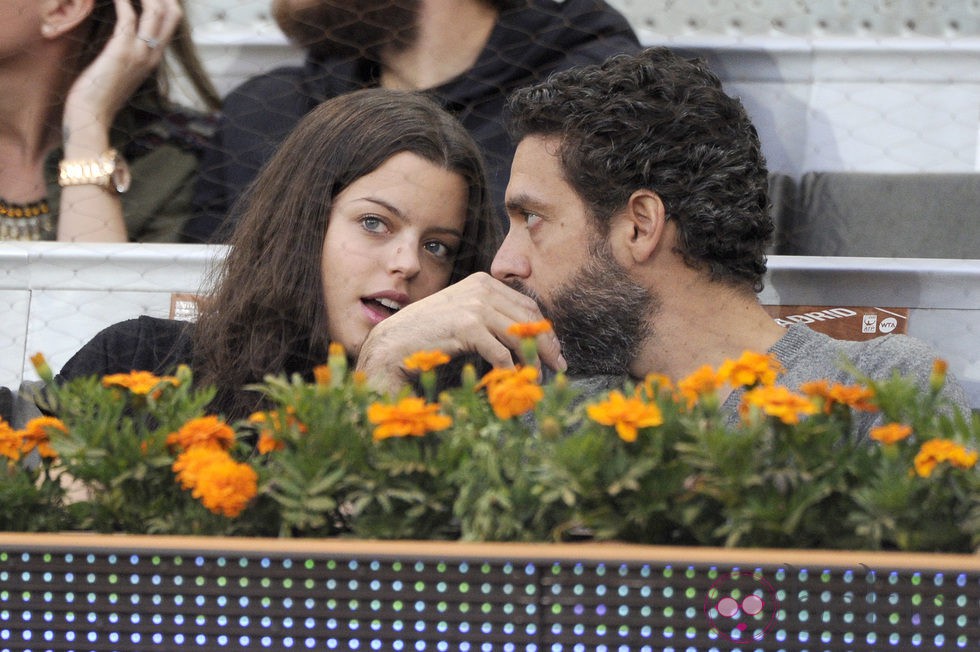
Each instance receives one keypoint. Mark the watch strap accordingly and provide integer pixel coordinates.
(83, 172)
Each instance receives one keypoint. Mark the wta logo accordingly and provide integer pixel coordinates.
(741, 606)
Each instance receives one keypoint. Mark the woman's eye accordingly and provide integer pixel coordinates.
(531, 219)
(373, 223)
(438, 249)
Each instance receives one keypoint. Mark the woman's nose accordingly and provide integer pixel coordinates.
(404, 260)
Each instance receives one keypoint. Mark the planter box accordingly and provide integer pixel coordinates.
(112, 592)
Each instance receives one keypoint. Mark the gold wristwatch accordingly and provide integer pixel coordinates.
(109, 171)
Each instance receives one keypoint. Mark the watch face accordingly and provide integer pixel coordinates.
(121, 178)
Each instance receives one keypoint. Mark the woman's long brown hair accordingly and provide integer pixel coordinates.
(266, 313)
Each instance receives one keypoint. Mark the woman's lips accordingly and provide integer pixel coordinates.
(381, 306)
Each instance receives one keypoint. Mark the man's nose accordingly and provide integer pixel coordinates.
(510, 262)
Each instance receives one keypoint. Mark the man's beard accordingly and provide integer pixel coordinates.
(348, 28)
(600, 315)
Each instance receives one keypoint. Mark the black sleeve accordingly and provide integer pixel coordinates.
(255, 118)
(211, 194)
(6, 404)
(143, 344)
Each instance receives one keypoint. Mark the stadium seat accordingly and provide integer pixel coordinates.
(914, 215)
(783, 206)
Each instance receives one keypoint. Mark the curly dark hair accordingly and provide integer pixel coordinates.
(658, 121)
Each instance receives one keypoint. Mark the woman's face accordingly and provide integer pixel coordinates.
(391, 239)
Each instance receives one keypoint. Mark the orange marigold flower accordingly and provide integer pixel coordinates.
(425, 360)
(322, 374)
(529, 329)
(190, 462)
(626, 414)
(203, 431)
(35, 435)
(41, 366)
(225, 486)
(937, 451)
(337, 362)
(267, 443)
(778, 401)
(653, 384)
(890, 433)
(138, 382)
(962, 458)
(938, 376)
(411, 416)
(495, 376)
(703, 381)
(512, 392)
(750, 369)
(276, 420)
(856, 397)
(11, 441)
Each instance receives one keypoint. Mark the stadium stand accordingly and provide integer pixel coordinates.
(882, 93)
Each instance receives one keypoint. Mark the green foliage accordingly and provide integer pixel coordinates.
(566, 469)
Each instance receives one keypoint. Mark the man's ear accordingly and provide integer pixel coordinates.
(59, 17)
(645, 218)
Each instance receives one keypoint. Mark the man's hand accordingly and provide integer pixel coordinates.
(471, 316)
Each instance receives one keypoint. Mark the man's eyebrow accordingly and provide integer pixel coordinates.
(522, 202)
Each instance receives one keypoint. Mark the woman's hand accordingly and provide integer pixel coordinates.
(471, 316)
(89, 213)
(132, 53)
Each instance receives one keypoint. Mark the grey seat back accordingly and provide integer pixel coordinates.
(915, 215)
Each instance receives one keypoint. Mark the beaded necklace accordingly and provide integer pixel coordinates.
(31, 221)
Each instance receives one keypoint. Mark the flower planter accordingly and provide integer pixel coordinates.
(110, 592)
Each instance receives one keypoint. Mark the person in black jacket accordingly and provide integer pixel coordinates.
(468, 54)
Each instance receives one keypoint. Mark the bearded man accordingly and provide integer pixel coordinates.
(468, 54)
(639, 221)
